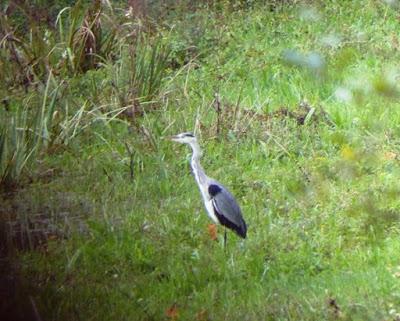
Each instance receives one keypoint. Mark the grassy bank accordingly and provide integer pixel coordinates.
(296, 109)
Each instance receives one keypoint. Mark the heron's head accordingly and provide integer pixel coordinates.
(184, 138)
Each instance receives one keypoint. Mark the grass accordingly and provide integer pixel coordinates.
(318, 185)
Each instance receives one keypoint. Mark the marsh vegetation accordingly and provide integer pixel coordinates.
(296, 106)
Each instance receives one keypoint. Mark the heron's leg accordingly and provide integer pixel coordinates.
(224, 238)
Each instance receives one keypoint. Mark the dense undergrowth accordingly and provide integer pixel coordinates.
(296, 106)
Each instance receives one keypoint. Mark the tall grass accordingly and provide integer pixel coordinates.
(16, 147)
(24, 131)
(84, 38)
(138, 73)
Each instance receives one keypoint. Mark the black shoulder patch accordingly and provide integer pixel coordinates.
(214, 189)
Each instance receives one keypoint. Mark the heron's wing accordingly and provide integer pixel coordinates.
(226, 209)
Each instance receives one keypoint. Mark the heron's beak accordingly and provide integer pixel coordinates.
(173, 138)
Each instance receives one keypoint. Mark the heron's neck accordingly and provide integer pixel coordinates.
(195, 163)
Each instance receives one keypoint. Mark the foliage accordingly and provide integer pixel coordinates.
(81, 38)
(23, 132)
(138, 73)
(84, 38)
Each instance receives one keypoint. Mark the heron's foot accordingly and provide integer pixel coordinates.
(213, 231)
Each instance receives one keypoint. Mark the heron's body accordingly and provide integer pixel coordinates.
(221, 206)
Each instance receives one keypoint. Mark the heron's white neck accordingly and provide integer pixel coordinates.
(195, 163)
(197, 153)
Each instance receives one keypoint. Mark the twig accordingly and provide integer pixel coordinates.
(217, 107)
(35, 310)
(131, 161)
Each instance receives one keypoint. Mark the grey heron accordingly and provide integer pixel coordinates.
(221, 206)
